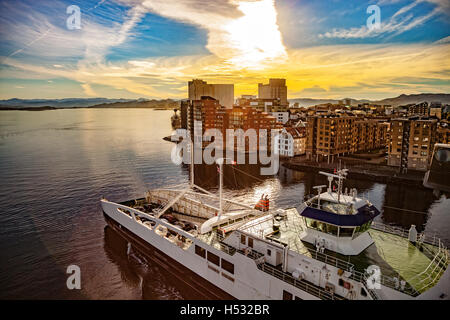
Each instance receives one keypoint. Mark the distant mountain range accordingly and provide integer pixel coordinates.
(397, 101)
(50, 104)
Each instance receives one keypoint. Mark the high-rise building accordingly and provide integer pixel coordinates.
(276, 89)
(223, 93)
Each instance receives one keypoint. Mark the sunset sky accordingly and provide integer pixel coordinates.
(151, 48)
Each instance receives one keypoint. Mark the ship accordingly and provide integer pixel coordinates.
(327, 248)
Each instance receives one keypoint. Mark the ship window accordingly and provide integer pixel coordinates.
(242, 239)
(332, 229)
(228, 266)
(311, 223)
(287, 295)
(297, 298)
(341, 282)
(269, 252)
(250, 242)
(213, 258)
(363, 292)
(200, 251)
(345, 232)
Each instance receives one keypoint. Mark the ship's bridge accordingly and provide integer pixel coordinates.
(338, 221)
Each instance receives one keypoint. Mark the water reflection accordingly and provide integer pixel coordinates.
(56, 165)
(400, 205)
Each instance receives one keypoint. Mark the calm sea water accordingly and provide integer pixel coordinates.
(56, 165)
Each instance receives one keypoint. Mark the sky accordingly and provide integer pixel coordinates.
(152, 48)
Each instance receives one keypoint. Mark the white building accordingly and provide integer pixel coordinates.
(291, 142)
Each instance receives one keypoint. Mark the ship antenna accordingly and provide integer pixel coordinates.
(191, 145)
(220, 162)
(319, 191)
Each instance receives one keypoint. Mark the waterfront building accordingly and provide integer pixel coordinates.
(292, 141)
(207, 113)
(411, 143)
(332, 135)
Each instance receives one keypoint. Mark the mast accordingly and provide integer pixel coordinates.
(220, 161)
(192, 162)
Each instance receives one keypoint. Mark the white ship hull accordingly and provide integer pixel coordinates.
(247, 283)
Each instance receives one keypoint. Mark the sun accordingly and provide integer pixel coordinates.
(255, 36)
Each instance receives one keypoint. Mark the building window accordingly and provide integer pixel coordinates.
(213, 258)
(228, 266)
(200, 251)
(287, 295)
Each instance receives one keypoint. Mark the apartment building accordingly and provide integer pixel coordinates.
(421, 109)
(332, 135)
(411, 143)
(207, 113)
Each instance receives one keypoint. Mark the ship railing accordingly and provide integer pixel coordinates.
(287, 277)
(298, 283)
(333, 261)
(385, 281)
(255, 255)
(432, 273)
(422, 237)
(223, 246)
(371, 292)
(437, 266)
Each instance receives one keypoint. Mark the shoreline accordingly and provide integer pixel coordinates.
(415, 179)
(71, 108)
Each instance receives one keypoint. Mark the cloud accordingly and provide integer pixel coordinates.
(88, 90)
(398, 23)
(369, 69)
(244, 33)
(443, 40)
(238, 54)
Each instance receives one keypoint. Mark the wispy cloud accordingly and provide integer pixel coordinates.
(398, 23)
(443, 40)
(244, 42)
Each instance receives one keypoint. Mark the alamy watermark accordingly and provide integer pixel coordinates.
(374, 21)
(259, 147)
(374, 278)
(73, 22)
(74, 280)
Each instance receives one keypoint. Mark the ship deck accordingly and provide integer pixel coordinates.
(420, 266)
